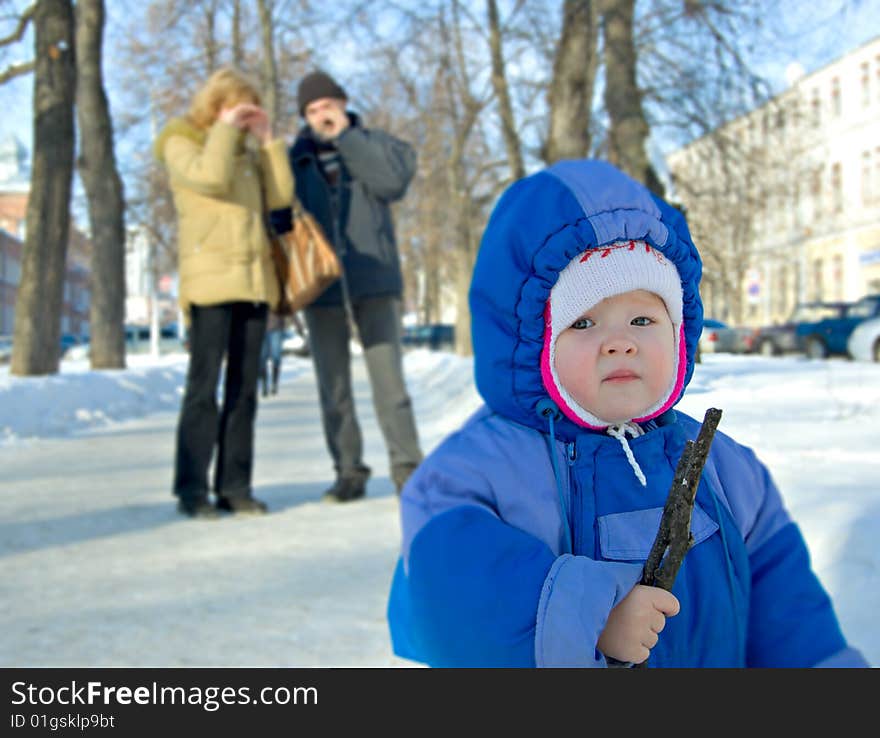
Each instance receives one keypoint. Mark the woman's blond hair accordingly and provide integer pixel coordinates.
(224, 88)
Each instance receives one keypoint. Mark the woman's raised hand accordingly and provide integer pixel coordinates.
(248, 117)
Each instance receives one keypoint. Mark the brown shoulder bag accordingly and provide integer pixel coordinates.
(305, 261)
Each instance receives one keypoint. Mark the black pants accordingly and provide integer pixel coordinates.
(233, 330)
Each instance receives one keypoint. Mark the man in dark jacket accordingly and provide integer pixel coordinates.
(347, 176)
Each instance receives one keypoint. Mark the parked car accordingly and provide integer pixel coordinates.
(773, 340)
(434, 336)
(137, 339)
(718, 337)
(829, 336)
(864, 341)
(68, 341)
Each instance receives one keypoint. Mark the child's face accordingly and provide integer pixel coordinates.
(617, 359)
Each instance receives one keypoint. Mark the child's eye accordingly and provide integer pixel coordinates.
(642, 320)
(582, 323)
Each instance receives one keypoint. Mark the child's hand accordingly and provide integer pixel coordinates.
(634, 624)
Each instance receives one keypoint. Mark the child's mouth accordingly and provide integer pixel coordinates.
(621, 376)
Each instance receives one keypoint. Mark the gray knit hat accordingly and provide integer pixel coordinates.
(316, 85)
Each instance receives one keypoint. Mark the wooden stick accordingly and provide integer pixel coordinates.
(674, 537)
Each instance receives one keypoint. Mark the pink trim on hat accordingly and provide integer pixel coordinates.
(679, 380)
(553, 390)
(547, 375)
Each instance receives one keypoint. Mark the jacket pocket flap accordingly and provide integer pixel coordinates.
(629, 536)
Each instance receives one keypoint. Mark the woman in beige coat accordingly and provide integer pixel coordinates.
(225, 171)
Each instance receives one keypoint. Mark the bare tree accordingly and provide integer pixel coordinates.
(628, 130)
(466, 105)
(269, 67)
(502, 93)
(431, 72)
(570, 95)
(237, 42)
(97, 168)
(208, 35)
(40, 292)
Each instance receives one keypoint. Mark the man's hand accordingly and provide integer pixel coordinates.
(634, 625)
(330, 121)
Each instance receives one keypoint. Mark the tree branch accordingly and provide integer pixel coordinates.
(16, 70)
(23, 21)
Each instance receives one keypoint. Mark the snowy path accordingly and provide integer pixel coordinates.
(99, 570)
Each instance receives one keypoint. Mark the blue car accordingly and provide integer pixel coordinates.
(829, 337)
(434, 336)
(67, 342)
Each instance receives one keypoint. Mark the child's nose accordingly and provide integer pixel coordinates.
(618, 344)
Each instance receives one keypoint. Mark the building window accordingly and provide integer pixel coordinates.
(875, 189)
(866, 85)
(867, 173)
(816, 108)
(837, 276)
(835, 97)
(817, 280)
(877, 77)
(836, 188)
(816, 192)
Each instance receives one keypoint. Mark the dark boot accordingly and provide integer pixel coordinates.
(400, 473)
(349, 486)
(198, 508)
(242, 505)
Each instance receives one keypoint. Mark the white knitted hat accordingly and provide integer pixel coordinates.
(593, 276)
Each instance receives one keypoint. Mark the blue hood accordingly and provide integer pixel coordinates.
(539, 225)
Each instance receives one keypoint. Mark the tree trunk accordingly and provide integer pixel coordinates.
(628, 132)
(270, 68)
(40, 292)
(237, 43)
(502, 94)
(464, 111)
(97, 168)
(570, 95)
(212, 47)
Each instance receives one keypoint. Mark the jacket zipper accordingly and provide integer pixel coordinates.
(574, 498)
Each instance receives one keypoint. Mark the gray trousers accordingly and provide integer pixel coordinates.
(378, 324)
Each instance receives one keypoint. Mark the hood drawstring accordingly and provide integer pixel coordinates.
(619, 431)
(546, 408)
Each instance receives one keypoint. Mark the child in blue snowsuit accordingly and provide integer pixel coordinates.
(525, 532)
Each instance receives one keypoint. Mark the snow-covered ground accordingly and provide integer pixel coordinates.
(97, 568)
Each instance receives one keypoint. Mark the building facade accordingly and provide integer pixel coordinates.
(14, 189)
(803, 177)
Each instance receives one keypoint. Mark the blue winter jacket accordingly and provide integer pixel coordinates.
(496, 572)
